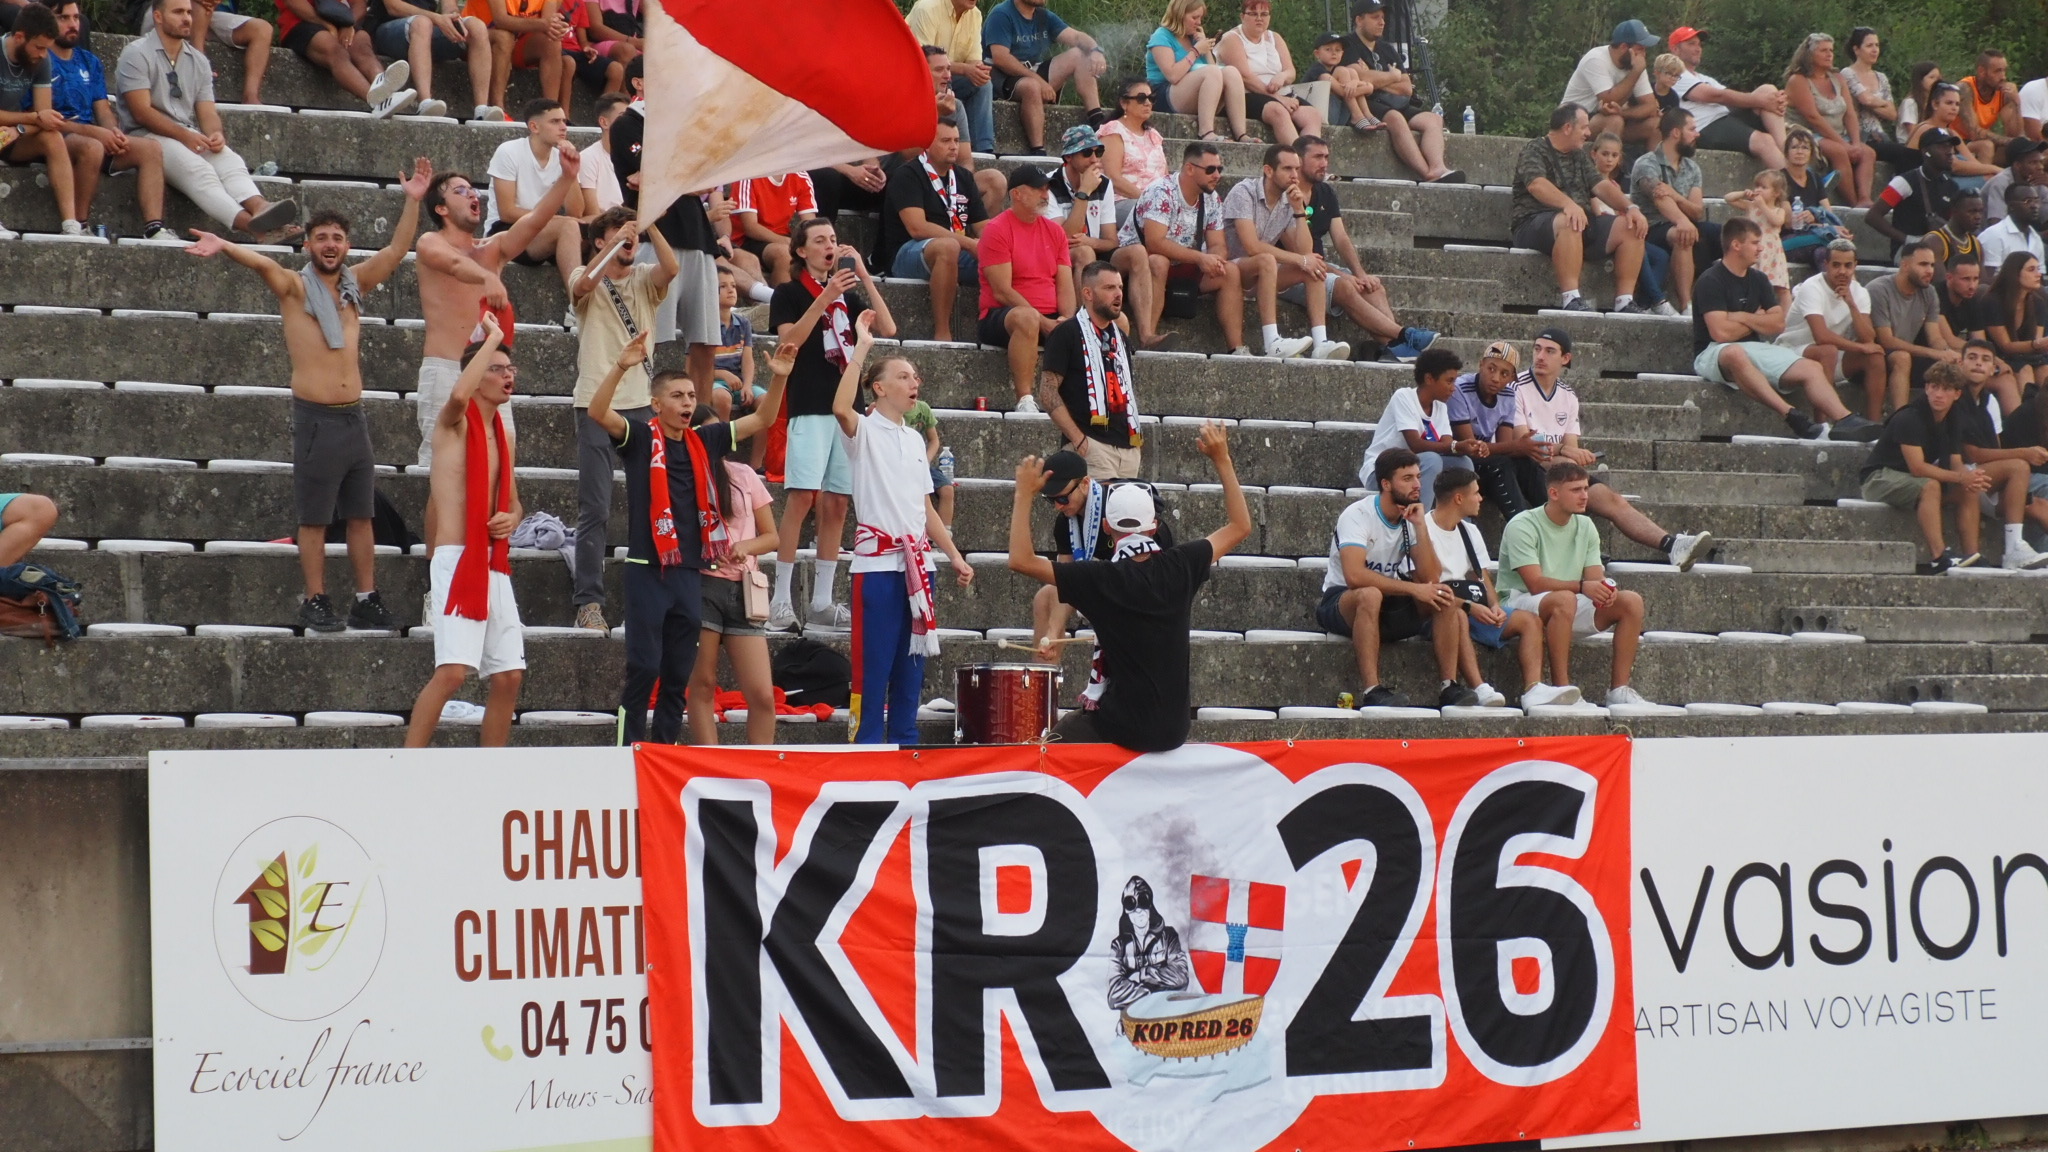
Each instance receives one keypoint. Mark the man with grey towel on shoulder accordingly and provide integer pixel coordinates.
(333, 471)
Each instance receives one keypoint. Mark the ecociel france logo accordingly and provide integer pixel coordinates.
(299, 918)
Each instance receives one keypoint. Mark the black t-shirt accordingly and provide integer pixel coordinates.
(1386, 56)
(1140, 608)
(1063, 353)
(637, 450)
(1322, 209)
(685, 224)
(1927, 203)
(1979, 427)
(1915, 424)
(814, 380)
(909, 187)
(1965, 316)
(2027, 427)
(1720, 290)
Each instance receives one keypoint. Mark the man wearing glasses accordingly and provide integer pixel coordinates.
(1085, 197)
(166, 92)
(1079, 502)
(1180, 217)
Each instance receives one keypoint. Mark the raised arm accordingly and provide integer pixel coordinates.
(763, 415)
(282, 284)
(1215, 444)
(849, 380)
(377, 269)
(1024, 561)
(634, 354)
(452, 413)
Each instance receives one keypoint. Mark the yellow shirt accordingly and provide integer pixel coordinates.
(936, 23)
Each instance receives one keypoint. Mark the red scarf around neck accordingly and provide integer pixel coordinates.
(469, 594)
(715, 547)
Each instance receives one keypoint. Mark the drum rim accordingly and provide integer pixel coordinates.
(959, 668)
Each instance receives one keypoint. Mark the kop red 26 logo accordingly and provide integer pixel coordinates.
(1364, 945)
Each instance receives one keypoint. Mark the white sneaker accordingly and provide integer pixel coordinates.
(1539, 694)
(488, 113)
(1664, 308)
(570, 322)
(7, 233)
(432, 108)
(781, 617)
(166, 237)
(1026, 404)
(1287, 348)
(461, 712)
(1624, 695)
(837, 618)
(1489, 696)
(2022, 556)
(391, 105)
(72, 228)
(1240, 350)
(390, 80)
(1687, 550)
(1330, 350)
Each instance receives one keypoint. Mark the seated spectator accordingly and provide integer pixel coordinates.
(955, 25)
(522, 170)
(1027, 279)
(92, 130)
(252, 34)
(1666, 186)
(1910, 327)
(31, 130)
(1992, 119)
(1550, 567)
(1986, 446)
(2019, 231)
(1080, 531)
(1729, 119)
(618, 29)
(523, 34)
(1612, 85)
(1462, 559)
(1482, 408)
(1180, 63)
(600, 181)
(2026, 428)
(931, 225)
(1133, 153)
(1020, 38)
(1735, 319)
(1181, 218)
(1087, 381)
(167, 95)
(315, 35)
(1348, 93)
(992, 184)
(732, 364)
(1829, 322)
(1956, 239)
(1264, 230)
(1872, 92)
(1357, 292)
(25, 518)
(1414, 132)
(1919, 460)
(1548, 409)
(1085, 198)
(420, 35)
(1814, 221)
(1918, 199)
(1664, 73)
(1992, 393)
(1920, 81)
(1260, 55)
(1945, 114)
(1555, 186)
(763, 210)
(1606, 151)
(1382, 586)
(588, 57)
(2015, 318)
(1962, 303)
(2027, 163)
(1818, 100)
(1419, 419)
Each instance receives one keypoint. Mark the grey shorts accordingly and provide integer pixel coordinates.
(333, 472)
(725, 608)
(689, 311)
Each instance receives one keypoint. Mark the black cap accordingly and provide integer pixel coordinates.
(2021, 147)
(1027, 175)
(1940, 137)
(1063, 468)
(1559, 337)
(1328, 38)
(1361, 7)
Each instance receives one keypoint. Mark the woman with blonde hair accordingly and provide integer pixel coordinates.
(1180, 61)
(1818, 100)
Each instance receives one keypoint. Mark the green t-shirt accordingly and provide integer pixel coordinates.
(1561, 551)
(921, 417)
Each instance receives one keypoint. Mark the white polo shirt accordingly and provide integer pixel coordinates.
(890, 483)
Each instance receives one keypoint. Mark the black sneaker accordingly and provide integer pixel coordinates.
(1958, 560)
(1803, 426)
(317, 614)
(1456, 695)
(1934, 567)
(1381, 696)
(1097, 117)
(1634, 308)
(1578, 304)
(369, 612)
(1856, 429)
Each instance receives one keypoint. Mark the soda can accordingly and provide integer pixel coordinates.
(981, 403)
(1346, 700)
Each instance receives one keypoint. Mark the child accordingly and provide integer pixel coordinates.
(732, 365)
(1764, 202)
(1656, 261)
(1664, 74)
(922, 418)
(1347, 92)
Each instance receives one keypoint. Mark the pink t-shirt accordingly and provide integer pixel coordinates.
(1035, 253)
(1553, 416)
(748, 494)
(1144, 154)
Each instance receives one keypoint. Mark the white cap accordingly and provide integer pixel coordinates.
(1129, 509)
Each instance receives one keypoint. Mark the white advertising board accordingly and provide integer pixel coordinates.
(1838, 932)
(389, 950)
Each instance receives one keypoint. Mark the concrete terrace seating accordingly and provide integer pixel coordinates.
(109, 353)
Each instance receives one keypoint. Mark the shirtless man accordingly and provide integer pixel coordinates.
(459, 276)
(475, 620)
(333, 469)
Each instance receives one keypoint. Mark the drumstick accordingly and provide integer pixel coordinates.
(1022, 647)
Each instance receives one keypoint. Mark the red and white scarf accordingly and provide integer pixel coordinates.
(949, 191)
(1108, 376)
(837, 330)
(869, 540)
(715, 546)
(469, 593)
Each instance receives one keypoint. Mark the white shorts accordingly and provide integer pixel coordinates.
(1532, 603)
(436, 383)
(489, 646)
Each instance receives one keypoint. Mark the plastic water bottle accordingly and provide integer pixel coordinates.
(1437, 110)
(1471, 122)
(946, 462)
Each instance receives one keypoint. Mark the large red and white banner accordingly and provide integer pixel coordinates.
(1365, 944)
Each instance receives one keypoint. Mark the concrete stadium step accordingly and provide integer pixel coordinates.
(350, 148)
(1918, 625)
(1873, 557)
(2007, 692)
(1730, 487)
(1829, 468)
(1658, 422)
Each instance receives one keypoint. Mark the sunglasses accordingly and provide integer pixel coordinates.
(1061, 498)
(1087, 152)
(1131, 904)
(177, 89)
(1140, 97)
(1211, 169)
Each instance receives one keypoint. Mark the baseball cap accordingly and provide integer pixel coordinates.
(1079, 138)
(1504, 351)
(1632, 32)
(2020, 147)
(1940, 136)
(1063, 468)
(1559, 337)
(1361, 7)
(1129, 509)
(1681, 35)
(1328, 38)
(1027, 175)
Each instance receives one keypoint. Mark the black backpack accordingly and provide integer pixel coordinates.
(811, 673)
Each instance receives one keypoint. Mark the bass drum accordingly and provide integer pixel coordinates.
(1005, 703)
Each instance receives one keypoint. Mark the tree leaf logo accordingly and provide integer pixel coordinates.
(301, 918)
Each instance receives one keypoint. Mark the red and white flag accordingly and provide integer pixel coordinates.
(737, 90)
(1234, 934)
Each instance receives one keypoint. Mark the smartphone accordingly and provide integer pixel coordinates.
(846, 263)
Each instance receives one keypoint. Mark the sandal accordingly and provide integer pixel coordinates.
(1368, 124)
(1248, 138)
(1212, 136)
